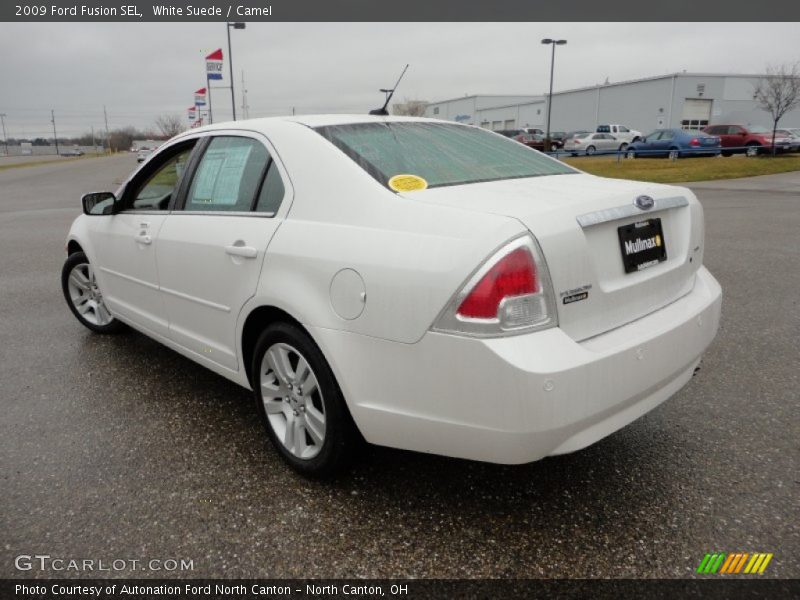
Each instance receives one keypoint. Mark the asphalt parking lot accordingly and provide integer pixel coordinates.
(116, 447)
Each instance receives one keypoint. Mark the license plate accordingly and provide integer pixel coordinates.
(642, 244)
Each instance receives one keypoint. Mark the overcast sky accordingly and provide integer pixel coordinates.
(139, 70)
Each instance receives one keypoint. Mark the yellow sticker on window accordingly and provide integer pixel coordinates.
(407, 183)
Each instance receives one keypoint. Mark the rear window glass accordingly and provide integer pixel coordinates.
(440, 153)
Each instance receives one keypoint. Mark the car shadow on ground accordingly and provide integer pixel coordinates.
(607, 477)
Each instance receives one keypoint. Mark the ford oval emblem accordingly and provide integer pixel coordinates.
(644, 202)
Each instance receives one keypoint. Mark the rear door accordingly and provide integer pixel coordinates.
(212, 246)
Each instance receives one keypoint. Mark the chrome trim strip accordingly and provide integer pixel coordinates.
(224, 213)
(216, 213)
(628, 210)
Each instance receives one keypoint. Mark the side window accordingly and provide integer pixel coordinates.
(271, 196)
(228, 175)
(157, 190)
(667, 135)
(623, 129)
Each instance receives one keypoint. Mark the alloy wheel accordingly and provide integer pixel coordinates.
(292, 400)
(86, 297)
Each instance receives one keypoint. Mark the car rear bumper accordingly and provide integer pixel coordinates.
(518, 399)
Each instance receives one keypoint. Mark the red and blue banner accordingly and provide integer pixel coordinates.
(214, 64)
(200, 97)
(192, 112)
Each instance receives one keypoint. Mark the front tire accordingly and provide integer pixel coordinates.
(84, 297)
(300, 403)
(590, 150)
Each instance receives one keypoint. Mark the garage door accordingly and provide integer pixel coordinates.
(696, 113)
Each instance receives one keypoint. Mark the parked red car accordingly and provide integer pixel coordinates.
(536, 140)
(739, 138)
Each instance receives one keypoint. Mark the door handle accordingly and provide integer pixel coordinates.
(243, 251)
(143, 238)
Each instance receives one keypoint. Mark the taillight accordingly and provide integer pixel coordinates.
(694, 142)
(514, 275)
(510, 293)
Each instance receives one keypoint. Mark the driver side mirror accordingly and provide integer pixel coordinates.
(98, 203)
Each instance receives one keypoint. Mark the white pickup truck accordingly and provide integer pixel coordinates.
(620, 132)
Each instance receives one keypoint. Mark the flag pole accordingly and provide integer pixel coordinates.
(208, 92)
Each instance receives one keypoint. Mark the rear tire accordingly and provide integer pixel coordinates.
(300, 403)
(623, 146)
(84, 297)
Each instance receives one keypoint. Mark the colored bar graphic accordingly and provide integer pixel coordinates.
(765, 563)
(734, 563)
(718, 564)
(732, 559)
(703, 563)
(741, 562)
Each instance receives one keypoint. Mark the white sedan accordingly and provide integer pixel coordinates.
(593, 143)
(421, 284)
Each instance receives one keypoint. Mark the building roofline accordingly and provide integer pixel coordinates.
(655, 78)
(482, 96)
(534, 97)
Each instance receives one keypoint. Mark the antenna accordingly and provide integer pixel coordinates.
(389, 93)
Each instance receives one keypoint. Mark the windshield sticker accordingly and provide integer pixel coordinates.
(407, 183)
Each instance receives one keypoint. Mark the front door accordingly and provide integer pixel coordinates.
(211, 247)
(125, 242)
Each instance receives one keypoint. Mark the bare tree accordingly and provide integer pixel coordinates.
(169, 124)
(410, 108)
(779, 92)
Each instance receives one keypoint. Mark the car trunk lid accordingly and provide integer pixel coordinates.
(575, 219)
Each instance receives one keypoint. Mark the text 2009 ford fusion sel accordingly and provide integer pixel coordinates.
(426, 285)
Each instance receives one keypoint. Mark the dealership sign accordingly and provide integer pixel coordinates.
(192, 113)
(214, 64)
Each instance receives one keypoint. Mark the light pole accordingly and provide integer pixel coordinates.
(553, 43)
(5, 138)
(234, 25)
(55, 135)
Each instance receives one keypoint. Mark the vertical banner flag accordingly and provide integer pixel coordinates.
(200, 97)
(214, 64)
(192, 113)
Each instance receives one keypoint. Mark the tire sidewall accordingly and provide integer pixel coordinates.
(73, 260)
(339, 428)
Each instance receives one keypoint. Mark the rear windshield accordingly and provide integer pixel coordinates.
(440, 153)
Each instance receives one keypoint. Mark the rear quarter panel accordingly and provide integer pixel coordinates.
(411, 256)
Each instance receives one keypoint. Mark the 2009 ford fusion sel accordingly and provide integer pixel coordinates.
(421, 284)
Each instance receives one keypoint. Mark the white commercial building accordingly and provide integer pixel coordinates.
(688, 100)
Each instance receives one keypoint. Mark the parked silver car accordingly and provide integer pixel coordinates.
(592, 143)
